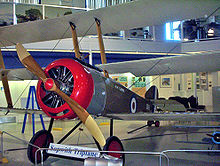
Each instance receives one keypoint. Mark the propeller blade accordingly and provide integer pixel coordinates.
(5, 82)
(83, 115)
(29, 62)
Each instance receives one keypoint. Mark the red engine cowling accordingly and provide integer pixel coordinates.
(73, 79)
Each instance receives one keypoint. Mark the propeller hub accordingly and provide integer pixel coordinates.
(49, 84)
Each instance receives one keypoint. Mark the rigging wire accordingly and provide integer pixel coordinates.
(19, 97)
(83, 36)
(145, 73)
(65, 34)
(60, 39)
(159, 74)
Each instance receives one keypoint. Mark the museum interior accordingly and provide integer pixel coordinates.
(160, 139)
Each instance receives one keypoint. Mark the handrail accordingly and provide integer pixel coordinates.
(160, 154)
(103, 151)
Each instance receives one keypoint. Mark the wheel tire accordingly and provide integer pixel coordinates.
(113, 143)
(157, 123)
(150, 122)
(41, 139)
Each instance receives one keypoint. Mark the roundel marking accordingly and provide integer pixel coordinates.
(215, 138)
(133, 105)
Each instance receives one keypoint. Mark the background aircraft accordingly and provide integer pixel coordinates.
(70, 88)
(214, 138)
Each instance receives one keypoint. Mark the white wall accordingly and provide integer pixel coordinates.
(19, 89)
(204, 96)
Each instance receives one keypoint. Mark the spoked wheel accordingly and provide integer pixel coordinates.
(113, 143)
(157, 123)
(41, 139)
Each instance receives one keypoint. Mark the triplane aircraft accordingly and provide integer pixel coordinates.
(69, 88)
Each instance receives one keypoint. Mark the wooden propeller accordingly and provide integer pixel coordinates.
(28, 61)
(5, 82)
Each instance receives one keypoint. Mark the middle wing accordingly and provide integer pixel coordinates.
(189, 63)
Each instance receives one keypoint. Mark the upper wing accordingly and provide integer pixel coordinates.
(197, 62)
(114, 18)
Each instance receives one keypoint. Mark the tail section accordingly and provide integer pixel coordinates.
(152, 93)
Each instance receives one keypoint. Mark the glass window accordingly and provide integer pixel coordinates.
(95, 4)
(53, 12)
(27, 12)
(173, 30)
(6, 14)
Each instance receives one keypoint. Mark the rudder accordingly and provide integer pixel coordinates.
(152, 93)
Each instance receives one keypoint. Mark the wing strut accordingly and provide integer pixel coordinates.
(5, 82)
(101, 45)
(75, 41)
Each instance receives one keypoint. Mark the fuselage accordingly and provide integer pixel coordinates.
(90, 88)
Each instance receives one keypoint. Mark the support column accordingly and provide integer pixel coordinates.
(90, 57)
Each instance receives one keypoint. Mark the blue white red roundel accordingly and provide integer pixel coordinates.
(133, 105)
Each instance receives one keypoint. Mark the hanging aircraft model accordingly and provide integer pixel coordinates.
(69, 88)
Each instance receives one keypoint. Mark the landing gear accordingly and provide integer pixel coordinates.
(156, 123)
(41, 139)
(150, 122)
(113, 143)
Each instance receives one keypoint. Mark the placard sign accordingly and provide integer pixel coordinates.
(73, 151)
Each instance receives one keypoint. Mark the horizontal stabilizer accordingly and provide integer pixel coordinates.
(169, 105)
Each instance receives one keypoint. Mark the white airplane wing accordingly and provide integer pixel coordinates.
(189, 63)
(168, 116)
(114, 18)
